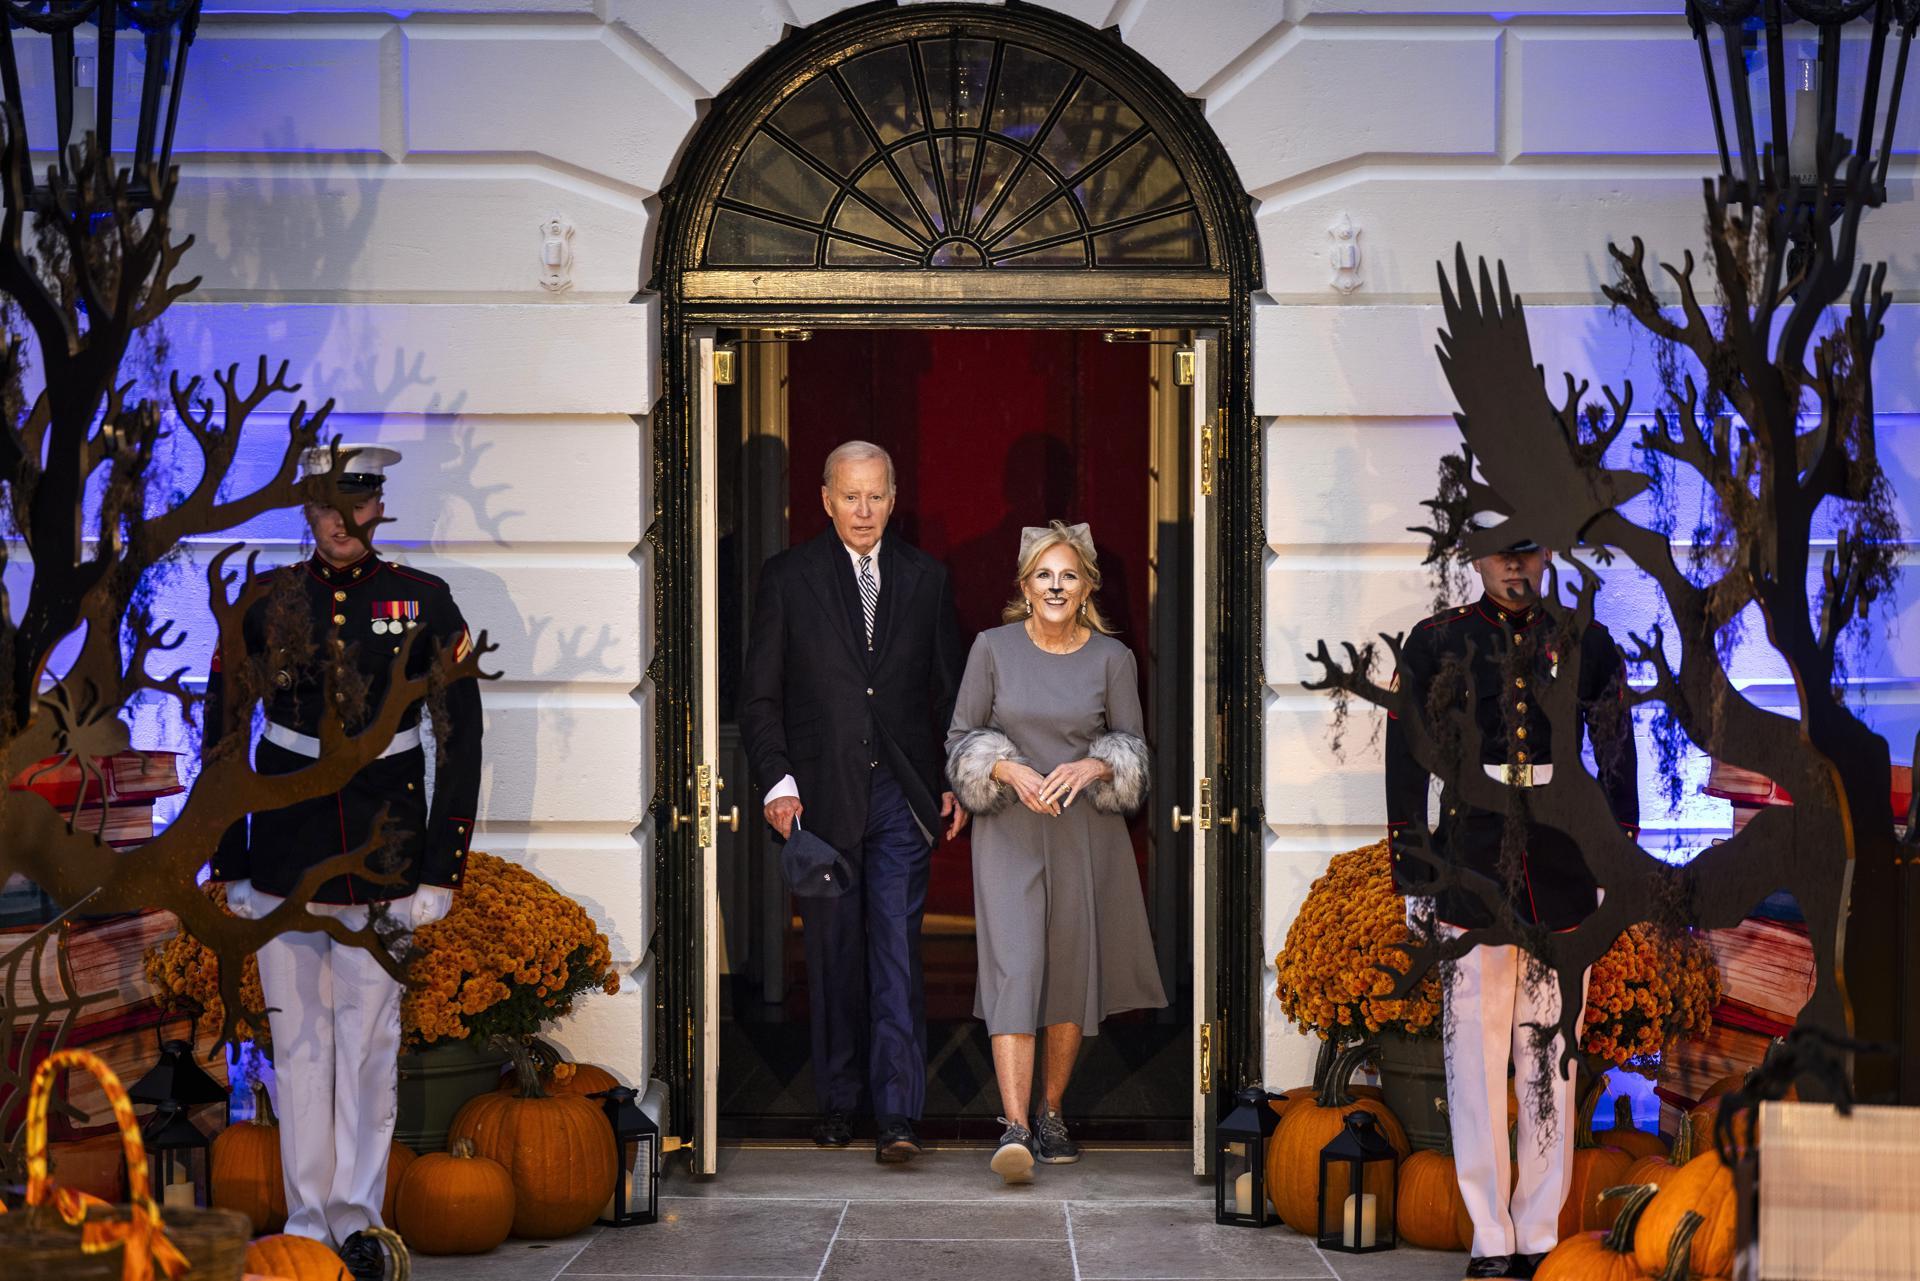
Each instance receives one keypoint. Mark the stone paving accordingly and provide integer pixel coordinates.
(1121, 1214)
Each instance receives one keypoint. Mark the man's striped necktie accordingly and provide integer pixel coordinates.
(869, 595)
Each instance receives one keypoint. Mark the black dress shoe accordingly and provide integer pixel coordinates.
(834, 1130)
(1525, 1265)
(1492, 1265)
(365, 1257)
(895, 1142)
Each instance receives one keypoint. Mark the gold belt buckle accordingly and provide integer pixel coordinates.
(1519, 775)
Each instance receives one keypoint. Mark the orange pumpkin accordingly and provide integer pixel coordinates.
(587, 1078)
(455, 1202)
(245, 1170)
(1635, 1143)
(1703, 1186)
(1601, 1256)
(557, 1148)
(1595, 1169)
(1322, 1068)
(295, 1259)
(399, 1158)
(1293, 1153)
(1725, 1085)
(559, 1076)
(1706, 1116)
(1427, 1205)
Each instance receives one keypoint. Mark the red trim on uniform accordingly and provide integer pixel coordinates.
(1443, 618)
(215, 667)
(409, 574)
(1520, 623)
(343, 569)
(1526, 871)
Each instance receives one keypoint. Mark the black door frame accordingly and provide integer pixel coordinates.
(1136, 300)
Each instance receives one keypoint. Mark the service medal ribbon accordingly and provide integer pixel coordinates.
(394, 616)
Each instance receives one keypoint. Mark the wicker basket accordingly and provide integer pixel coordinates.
(43, 1241)
(35, 1245)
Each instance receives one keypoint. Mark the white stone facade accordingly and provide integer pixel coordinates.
(367, 184)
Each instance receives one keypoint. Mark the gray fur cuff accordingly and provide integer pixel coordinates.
(970, 770)
(1126, 755)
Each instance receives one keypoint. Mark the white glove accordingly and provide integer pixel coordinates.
(240, 899)
(431, 903)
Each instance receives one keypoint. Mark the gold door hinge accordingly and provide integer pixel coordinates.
(1183, 367)
(723, 366)
(1206, 1058)
(1206, 459)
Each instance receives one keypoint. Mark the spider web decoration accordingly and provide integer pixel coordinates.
(1799, 437)
(88, 500)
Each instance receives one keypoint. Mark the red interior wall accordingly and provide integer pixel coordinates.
(990, 430)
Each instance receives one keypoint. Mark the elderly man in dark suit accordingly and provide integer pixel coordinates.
(852, 668)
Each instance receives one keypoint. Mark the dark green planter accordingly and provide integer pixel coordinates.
(434, 1082)
(1413, 1076)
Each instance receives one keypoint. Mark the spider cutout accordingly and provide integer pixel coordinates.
(87, 735)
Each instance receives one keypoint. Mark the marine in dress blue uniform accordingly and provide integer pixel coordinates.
(333, 1012)
(1491, 1005)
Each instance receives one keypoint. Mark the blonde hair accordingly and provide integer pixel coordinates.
(1059, 535)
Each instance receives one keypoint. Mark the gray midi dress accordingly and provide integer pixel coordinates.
(1061, 926)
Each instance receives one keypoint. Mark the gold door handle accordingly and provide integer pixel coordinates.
(679, 820)
(732, 820)
(1232, 821)
(1180, 819)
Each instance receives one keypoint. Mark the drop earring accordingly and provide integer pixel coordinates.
(1029, 607)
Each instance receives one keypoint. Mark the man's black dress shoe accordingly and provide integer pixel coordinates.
(365, 1257)
(1492, 1265)
(895, 1142)
(1525, 1265)
(834, 1130)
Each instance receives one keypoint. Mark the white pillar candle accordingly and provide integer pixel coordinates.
(1243, 1194)
(1359, 1230)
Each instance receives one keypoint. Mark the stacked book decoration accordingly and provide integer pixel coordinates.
(1766, 962)
(118, 1020)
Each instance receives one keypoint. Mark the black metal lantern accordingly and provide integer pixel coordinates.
(165, 27)
(176, 1082)
(1787, 80)
(1359, 1170)
(179, 1159)
(1240, 1163)
(636, 1142)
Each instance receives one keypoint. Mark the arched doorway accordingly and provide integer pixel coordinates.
(935, 185)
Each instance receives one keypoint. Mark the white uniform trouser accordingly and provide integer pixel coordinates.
(1490, 1006)
(335, 1017)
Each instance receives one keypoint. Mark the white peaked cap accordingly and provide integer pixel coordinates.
(364, 463)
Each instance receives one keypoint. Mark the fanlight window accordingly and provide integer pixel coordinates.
(955, 152)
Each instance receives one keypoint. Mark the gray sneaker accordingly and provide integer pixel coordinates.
(1013, 1159)
(1052, 1145)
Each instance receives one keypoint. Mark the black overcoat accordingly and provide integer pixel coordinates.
(827, 708)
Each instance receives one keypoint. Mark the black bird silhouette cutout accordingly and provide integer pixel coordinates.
(1542, 476)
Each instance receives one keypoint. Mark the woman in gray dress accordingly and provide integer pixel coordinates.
(1049, 715)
